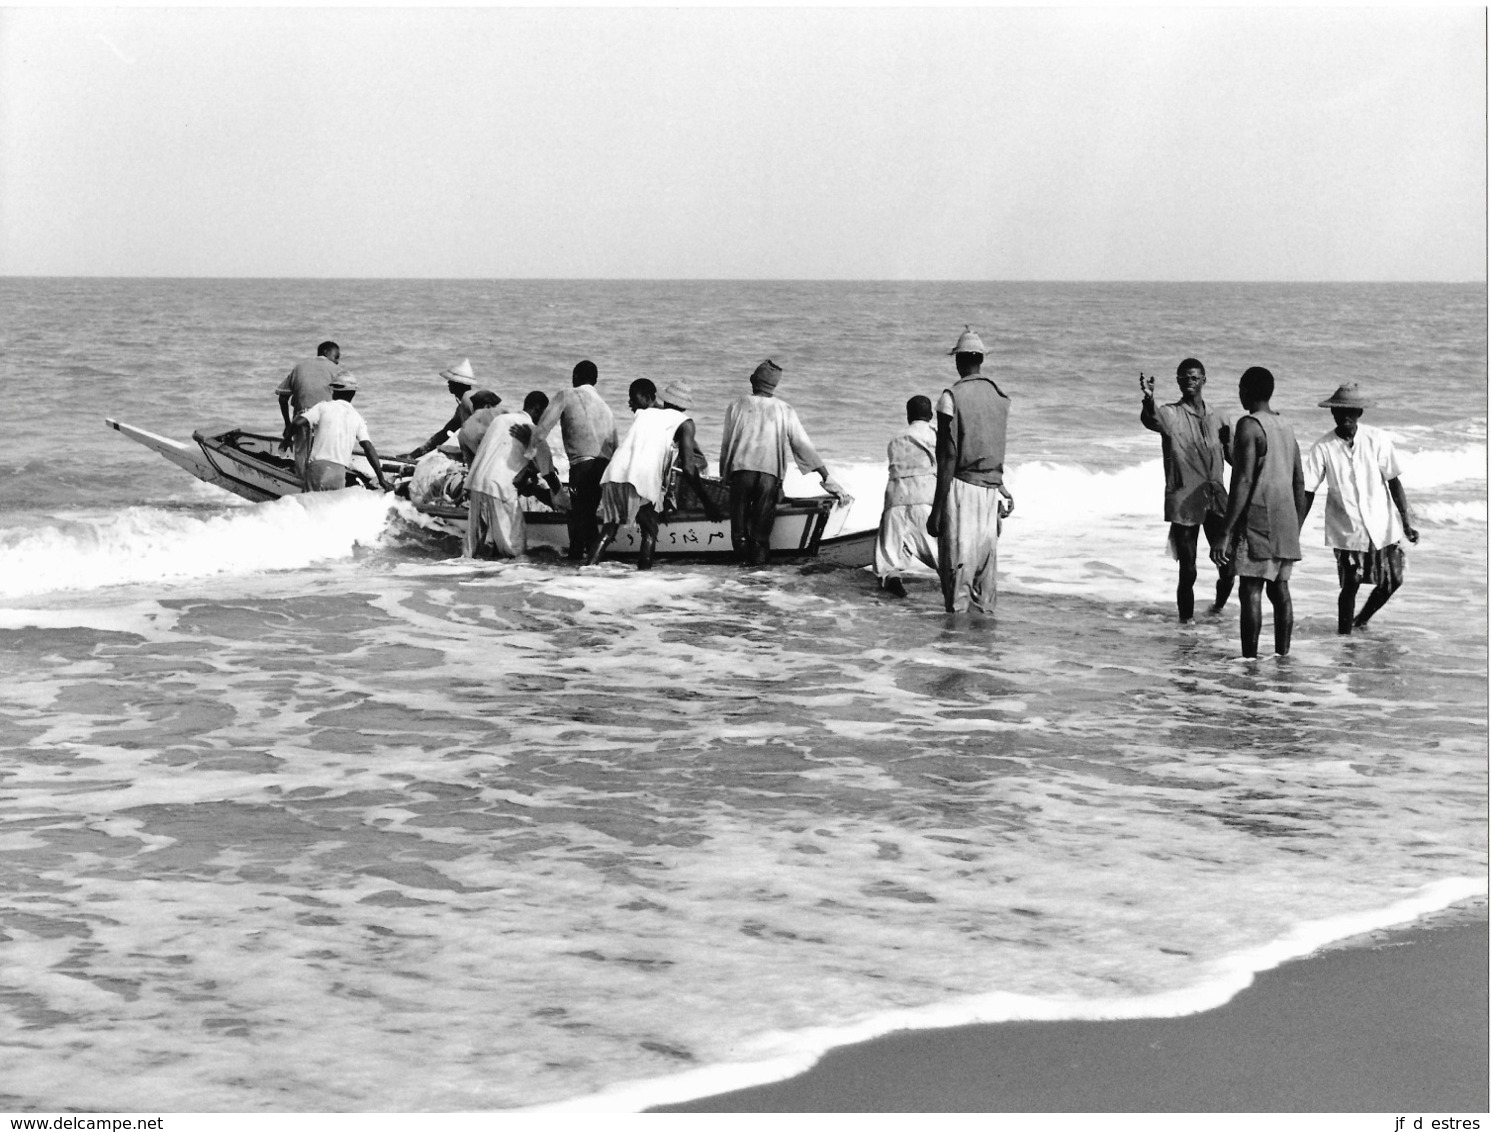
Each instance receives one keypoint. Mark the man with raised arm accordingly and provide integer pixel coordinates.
(970, 499)
(1193, 445)
(1260, 532)
(761, 432)
(1366, 510)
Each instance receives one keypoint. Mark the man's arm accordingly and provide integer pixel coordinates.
(691, 465)
(531, 435)
(284, 396)
(1305, 510)
(947, 462)
(1301, 502)
(372, 454)
(1148, 416)
(438, 438)
(1400, 499)
(1249, 446)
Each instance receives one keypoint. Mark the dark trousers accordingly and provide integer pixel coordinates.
(584, 502)
(753, 512)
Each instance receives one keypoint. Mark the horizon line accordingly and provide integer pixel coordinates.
(719, 279)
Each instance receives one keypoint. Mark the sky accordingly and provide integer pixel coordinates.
(1103, 143)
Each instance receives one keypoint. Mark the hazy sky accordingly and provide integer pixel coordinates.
(698, 142)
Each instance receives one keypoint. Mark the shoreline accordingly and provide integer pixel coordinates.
(1398, 1023)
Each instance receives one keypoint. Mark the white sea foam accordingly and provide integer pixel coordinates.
(784, 1055)
(145, 544)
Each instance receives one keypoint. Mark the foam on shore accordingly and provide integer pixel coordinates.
(787, 1055)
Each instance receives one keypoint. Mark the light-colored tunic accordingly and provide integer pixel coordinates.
(336, 429)
(500, 457)
(909, 490)
(761, 433)
(645, 454)
(1359, 510)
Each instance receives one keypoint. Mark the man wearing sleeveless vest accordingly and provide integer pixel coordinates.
(972, 418)
(1260, 533)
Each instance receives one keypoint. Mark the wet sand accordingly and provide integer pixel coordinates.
(1396, 1027)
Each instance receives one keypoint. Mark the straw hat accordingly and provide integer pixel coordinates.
(460, 374)
(968, 343)
(678, 393)
(1348, 396)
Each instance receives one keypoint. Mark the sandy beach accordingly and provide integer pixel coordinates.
(1396, 1026)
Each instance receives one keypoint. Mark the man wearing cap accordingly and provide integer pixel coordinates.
(910, 486)
(307, 384)
(461, 381)
(1193, 444)
(589, 431)
(1366, 509)
(1260, 532)
(970, 497)
(332, 428)
(761, 432)
(635, 480)
(495, 524)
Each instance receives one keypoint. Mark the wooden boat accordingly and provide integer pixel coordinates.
(251, 465)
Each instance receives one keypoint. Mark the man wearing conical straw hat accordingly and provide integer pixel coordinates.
(460, 379)
(1366, 509)
(972, 418)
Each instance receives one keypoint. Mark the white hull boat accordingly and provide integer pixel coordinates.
(250, 465)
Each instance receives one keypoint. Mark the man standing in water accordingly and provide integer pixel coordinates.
(328, 430)
(460, 380)
(636, 478)
(589, 431)
(1363, 507)
(972, 418)
(1260, 532)
(1193, 444)
(495, 523)
(910, 485)
(761, 431)
(309, 383)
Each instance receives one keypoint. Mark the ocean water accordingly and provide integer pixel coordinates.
(301, 812)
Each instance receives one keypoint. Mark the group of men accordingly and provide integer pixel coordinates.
(1252, 526)
(944, 483)
(611, 483)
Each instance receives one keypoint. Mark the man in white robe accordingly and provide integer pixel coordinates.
(910, 486)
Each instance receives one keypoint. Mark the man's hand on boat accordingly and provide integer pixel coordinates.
(834, 487)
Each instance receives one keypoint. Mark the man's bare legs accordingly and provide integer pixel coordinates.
(1250, 596)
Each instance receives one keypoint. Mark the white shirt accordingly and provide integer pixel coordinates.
(336, 429)
(1359, 511)
(645, 453)
(912, 473)
(501, 457)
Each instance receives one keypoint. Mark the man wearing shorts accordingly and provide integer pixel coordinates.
(1260, 533)
(1366, 510)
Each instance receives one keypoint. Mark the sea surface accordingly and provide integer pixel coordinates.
(299, 811)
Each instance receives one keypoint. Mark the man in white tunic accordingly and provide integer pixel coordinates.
(495, 527)
(972, 418)
(333, 428)
(910, 486)
(1366, 510)
(635, 480)
(761, 432)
